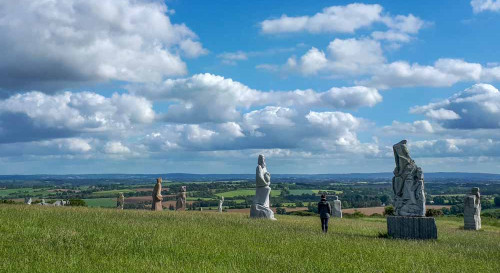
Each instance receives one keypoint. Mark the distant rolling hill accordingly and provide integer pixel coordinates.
(383, 176)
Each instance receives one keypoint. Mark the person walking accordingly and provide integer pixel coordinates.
(324, 210)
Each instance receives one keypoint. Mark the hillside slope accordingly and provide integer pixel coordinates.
(62, 239)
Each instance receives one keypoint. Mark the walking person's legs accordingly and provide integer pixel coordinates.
(326, 225)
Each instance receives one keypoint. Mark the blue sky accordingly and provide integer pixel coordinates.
(205, 86)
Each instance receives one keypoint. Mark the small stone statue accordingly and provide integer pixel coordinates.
(260, 207)
(221, 201)
(407, 184)
(157, 198)
(27, 200)
(337, 207)
(181, 199)
(120, 201)
(472, 210)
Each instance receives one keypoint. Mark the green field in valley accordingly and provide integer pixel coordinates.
(245, 192)
(101, 202)
(72, 239)
(111, 192)
(29, 191)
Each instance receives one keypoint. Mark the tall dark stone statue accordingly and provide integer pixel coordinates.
(472, 210)
(409, 199)
(407, 183)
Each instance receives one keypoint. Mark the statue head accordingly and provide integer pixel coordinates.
(183, 188)
(475, 191)
(158, 180)
(401, 155)
(336, 198)
(261, 161)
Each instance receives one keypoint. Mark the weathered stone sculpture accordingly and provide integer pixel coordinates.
(337, 207)
(43, 203)
(409, 199)
(407, 184)
(157, 198)
(472, 210)
(120, 201)
(27, 200)
(260, 207)
(221, 201)
(181, 199)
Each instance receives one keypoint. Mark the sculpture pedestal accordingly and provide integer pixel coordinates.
(405, 227)
(472, 222)
(259, 211)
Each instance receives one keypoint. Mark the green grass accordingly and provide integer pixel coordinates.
(245, 192)
(101, 202)
(69, 239)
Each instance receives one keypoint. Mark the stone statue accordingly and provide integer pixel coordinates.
(337, 207)
(27, 200)
(472, 210)
(221, 201)
(157, 198)
(120, 201)
(407, 183)
(181, 199)
(260, 207)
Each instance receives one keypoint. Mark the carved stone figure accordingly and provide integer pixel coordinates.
(181, 199)
(221, 201)
(407, 183)
(260, 207)
(120, 201)
(27, 200)
(472, 210)
(157, 198)
(337, 207)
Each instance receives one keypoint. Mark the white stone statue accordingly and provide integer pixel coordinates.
(120, 201)
(221, 201)
(260, 207)
(337, 207)
(407, 183)
(27, 200)
(472, 210)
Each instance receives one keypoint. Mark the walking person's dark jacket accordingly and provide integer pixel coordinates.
(324, 209)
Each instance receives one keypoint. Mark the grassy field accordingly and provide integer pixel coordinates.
(69, 239)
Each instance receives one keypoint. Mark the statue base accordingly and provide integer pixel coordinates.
(472, 222)
(259, 211)
(406, 227)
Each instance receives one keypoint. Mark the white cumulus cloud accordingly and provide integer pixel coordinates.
(56, 42)
(485, 5)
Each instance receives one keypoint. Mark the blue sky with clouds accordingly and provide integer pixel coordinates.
(205, 86)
